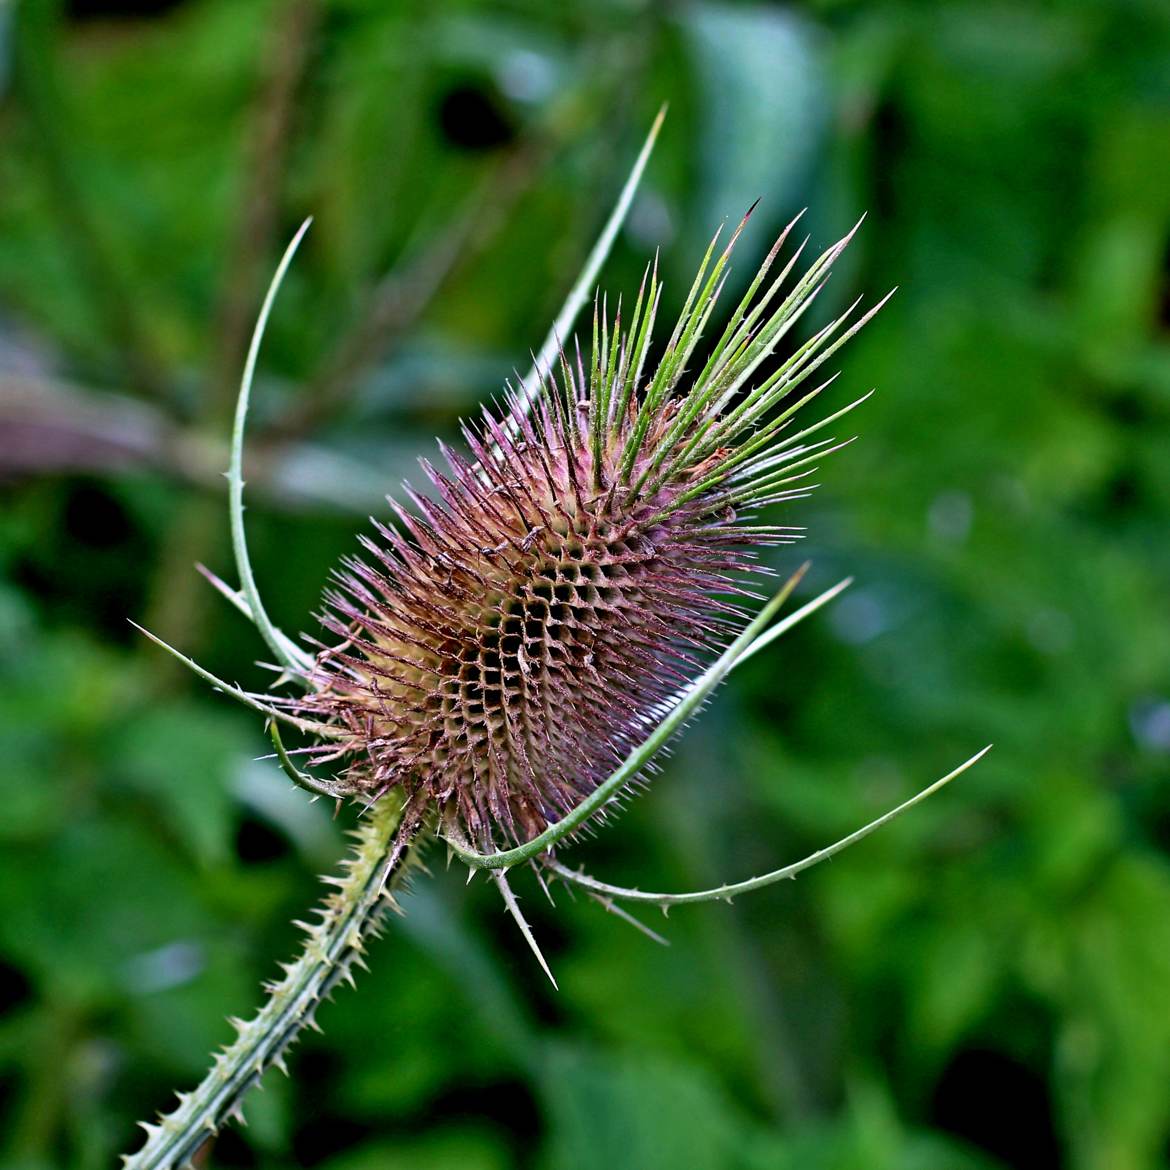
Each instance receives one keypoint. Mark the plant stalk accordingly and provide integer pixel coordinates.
(384, 851)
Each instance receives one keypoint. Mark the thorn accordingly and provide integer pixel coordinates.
(613, 908)
(514, 909)
(543, 884)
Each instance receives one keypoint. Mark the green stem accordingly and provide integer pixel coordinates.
(335, 942)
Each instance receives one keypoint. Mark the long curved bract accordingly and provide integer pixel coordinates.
(726, 892)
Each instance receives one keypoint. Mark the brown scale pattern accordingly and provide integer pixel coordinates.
(504, 651)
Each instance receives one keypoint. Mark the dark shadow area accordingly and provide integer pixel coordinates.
(999, 1105)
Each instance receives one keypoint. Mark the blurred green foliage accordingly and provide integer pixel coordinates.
(985, 983)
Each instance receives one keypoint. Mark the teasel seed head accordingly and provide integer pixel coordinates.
(503, 650)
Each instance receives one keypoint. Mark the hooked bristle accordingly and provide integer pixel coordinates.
(505, 649)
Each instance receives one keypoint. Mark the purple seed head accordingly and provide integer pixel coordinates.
(502, 651)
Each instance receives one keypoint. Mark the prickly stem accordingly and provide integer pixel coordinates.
(384, 852)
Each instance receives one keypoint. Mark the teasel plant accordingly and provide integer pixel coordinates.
(504, 667)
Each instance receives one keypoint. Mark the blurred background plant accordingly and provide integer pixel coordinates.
(987, 982)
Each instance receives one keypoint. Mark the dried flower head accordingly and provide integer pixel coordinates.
(505, 649)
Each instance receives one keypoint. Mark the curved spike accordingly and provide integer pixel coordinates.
(782, 627)
(725, 893)
(235, 469)
(234, 692)
(237, 599)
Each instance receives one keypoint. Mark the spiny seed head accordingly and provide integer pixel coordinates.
(504, 650)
